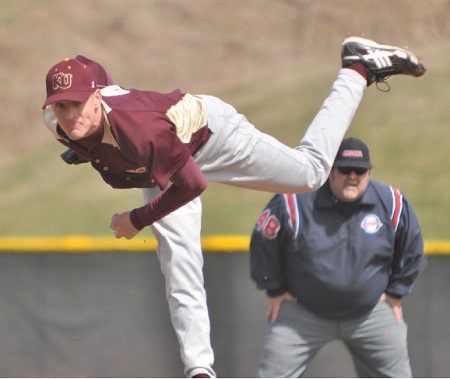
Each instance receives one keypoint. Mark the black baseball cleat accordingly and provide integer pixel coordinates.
(381, 61)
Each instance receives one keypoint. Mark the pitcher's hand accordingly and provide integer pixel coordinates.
(122, 226)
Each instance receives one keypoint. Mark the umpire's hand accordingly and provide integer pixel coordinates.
(274, 305)
(396, 305)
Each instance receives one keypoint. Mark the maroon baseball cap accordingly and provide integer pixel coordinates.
(70, 79)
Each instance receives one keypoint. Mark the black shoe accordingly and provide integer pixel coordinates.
(381, 61)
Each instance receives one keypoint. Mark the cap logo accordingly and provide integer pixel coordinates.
(62, 81)
(352, 154)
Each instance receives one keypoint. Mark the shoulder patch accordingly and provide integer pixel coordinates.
(268, 225)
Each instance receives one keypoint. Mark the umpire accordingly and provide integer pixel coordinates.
(336, 264)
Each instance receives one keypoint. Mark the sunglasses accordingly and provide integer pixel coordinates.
(348, 170)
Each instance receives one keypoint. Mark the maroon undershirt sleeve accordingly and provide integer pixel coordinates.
(359, 68)
(187, 183)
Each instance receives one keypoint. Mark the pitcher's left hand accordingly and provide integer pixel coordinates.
(122, 226)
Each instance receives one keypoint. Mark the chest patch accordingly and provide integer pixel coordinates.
(371, 224)
(139, 170)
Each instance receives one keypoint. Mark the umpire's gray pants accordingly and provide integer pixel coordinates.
(377, 343)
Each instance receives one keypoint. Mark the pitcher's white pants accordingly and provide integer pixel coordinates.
(238, 154)
(180, 255)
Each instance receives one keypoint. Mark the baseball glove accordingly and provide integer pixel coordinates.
(71, 157)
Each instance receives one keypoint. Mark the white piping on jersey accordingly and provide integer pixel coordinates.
(113, 90)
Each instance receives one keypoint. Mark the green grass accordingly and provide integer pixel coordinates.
(406, 130)
(214, 48)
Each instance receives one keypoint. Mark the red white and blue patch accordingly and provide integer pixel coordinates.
(371, 224)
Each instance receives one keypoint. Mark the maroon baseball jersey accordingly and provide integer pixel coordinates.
(144, 139)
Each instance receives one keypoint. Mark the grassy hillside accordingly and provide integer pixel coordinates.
(273, 60)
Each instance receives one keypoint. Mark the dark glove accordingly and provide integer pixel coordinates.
(71, 157)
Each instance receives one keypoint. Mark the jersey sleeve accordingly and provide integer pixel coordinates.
(267, 244)
(188, 183)
(408, 257)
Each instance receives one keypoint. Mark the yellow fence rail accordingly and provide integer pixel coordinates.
(77, 244)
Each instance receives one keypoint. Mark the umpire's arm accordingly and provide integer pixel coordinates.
(266, 248)
(408, 258)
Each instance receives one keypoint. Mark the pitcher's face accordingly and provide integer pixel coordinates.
(79, 120)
